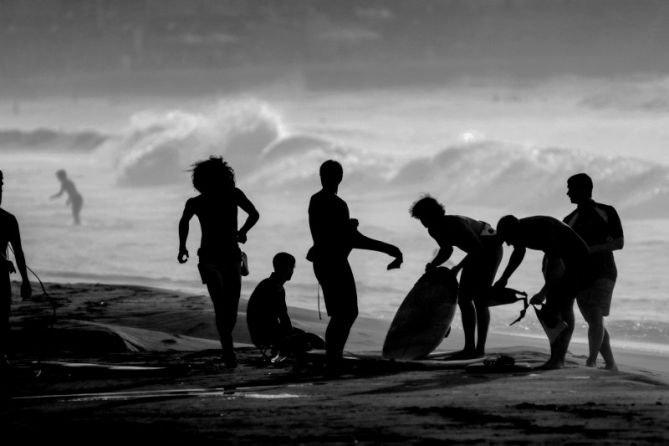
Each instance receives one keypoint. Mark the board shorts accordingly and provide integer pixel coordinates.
(477, 277)
(596, 295)
(339, 293)
(569, 282)
(219, 271)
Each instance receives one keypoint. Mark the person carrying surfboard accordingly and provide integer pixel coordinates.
(599, 226)
(220, 258)
(565, 256)
(335, 235)
(483, 250)
(267, 317)
(9, 235)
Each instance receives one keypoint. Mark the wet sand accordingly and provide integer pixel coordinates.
(127, 363)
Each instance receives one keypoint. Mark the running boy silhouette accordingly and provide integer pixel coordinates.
(9, 235)
(219, 253)
(74, 198)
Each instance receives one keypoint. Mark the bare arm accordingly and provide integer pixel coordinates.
(443, 255)
(515, 260)
(184, 224)
(251, 219)
(59, 193)
(15, 240)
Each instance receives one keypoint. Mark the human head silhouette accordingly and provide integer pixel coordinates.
(507, 229)
(213, 175)
(61, 174)
(331, 174)
(284, 265)
(428, 210)
(579, 188)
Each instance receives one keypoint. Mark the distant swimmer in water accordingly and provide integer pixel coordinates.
(267, 317)
(565, 257)
(74, 198)
(9, 235)
(220, 259)
(599, 226)
(335, 235)
(483, 249)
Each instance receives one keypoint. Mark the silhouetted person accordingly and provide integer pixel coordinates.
(335, 234)
(599, 226)
(483, 250)
(9, 235)
(267, 315)
(219, 253)
(74, 198)
(565, 255)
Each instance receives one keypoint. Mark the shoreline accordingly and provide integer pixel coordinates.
(164, 381)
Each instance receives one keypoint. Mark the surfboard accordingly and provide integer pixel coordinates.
(424, 316)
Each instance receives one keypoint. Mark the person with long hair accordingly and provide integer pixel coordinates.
(220, 257)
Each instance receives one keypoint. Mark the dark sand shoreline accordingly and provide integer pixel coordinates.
(163, 382)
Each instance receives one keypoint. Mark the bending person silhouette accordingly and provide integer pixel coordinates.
(74, 198)
(219, 253)
(335, 235)
(599, 226)
(267, 317)
(483, 250)
(565, 256)
(9, 235)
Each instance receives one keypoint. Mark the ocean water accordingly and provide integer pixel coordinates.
(484, 150)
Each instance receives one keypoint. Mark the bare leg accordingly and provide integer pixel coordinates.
(482, 323)
(595, 320)
(336, 335)
(560, 346)
(468, 314)
(607, 353)
(224, 289)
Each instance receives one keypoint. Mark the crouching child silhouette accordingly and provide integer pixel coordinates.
(219, 255)
(267, 317)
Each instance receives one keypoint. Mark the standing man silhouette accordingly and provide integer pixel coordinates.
(335, 235)
(599, 226)
(219, 253)
(9, 235)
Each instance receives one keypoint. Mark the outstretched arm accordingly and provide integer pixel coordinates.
(251, 219)
(59, 193)
(443, 255)
(15, 240)
(184, 222)
(515, 260)
(361, 241)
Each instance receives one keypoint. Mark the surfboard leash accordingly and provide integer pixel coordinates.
(52, 303)
(526, 305)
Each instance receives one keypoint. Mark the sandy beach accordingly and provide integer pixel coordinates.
(128, 363)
